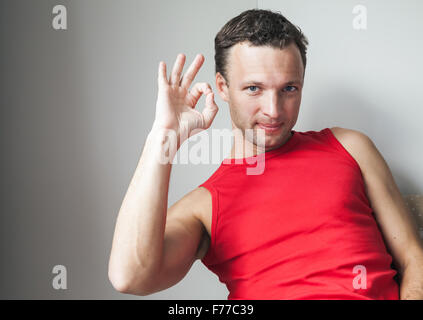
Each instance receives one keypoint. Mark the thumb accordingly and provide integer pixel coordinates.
(210, 111)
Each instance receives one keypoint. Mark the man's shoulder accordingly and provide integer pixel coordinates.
(197, 199)
(200, 194)
(357, 143)
(198, 203)
(350, 137)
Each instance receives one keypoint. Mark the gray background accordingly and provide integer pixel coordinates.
(77, 104)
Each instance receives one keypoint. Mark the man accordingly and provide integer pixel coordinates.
(303, 229)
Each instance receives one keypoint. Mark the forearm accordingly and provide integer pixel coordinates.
(139, 231)
(411, 287)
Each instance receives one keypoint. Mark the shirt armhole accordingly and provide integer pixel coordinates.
(215, 209)
(338, 145)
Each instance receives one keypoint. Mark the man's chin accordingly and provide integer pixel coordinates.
(268, 141)
(273, 142)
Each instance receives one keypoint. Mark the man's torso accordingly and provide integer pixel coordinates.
(205, 214)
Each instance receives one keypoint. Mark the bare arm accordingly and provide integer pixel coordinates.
(142, 237)
(186, 240)
(138, 238)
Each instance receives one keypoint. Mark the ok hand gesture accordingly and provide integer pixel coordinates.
(175, 107)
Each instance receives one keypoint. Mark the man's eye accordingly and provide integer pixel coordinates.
(252, 87)
(290, 88)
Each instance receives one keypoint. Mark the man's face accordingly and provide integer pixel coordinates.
(265, 86)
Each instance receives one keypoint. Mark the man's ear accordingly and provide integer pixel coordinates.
(222, 87)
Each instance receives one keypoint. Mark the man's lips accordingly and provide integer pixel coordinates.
(269, 127)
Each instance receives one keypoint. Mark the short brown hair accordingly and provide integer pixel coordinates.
(261, 28)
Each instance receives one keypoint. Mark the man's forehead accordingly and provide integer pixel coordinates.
(253, 62)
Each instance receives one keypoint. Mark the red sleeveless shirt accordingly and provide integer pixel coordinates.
(303, 229)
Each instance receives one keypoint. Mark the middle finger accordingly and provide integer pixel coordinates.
(192, 71)
(177, 69)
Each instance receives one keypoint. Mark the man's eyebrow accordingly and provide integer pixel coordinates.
(259, 83)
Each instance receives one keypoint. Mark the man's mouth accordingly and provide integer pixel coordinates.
(270, 128)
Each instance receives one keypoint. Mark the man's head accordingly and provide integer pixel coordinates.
(260, 62)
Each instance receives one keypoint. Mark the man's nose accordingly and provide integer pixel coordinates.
(272, 105)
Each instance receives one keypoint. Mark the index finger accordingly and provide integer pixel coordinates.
(192, 71)
(162, 74)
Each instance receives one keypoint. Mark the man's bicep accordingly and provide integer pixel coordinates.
(182, 238)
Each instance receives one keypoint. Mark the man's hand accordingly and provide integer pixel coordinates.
(175, 108)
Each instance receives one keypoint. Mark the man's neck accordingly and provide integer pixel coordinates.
(243, 148)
